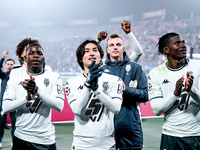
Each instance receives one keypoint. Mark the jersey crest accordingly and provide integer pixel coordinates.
(128, 68)
(105, 86)
(46, 82)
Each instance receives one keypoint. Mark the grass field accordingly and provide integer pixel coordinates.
(152, 128)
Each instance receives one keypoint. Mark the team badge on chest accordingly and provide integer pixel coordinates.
(128, 68)
(105, 86)
(46, 82)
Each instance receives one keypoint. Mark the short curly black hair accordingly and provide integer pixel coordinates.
(24, 43)
(164, 41)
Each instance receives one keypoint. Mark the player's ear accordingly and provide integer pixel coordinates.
(123, 49)
(166, 50)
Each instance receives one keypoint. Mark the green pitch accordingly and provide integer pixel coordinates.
(64, 134)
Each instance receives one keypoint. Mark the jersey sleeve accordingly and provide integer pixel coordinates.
(116, 91)
(77, 96)
(9, 99)
(57, 88)
(136, 46)
(158, 103)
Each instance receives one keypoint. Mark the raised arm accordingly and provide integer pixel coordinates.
(5, 53)
(126, 26)
(101, 36)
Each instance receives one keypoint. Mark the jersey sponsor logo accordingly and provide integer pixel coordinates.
(34, 105)
(165, 81)
(119, 89)
(95, 110)
(183, 101)
(133, 84)
(59, 89)
(105, 86)
(46, 82)
(128, 68)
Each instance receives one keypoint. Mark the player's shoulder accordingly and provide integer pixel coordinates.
(110, 77)
(17, 70)
(77, 78)
(159, 68)
(48, 68)
(53, 74)
(134, 65)
(193, 62)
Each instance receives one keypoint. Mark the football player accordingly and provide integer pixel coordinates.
(95, 98)
(174, 91)
(33, 92)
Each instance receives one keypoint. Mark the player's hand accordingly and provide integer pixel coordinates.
(5, 53)
(126, 26)
(30, 85)
(188, 82)
(94, 73)
(124, 87)
(29, 96)
(102, 35)
(179, 85)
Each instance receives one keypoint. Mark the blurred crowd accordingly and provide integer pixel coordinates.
(60, 44)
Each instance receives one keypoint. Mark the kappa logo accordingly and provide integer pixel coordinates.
(165, 81)
(80, 87)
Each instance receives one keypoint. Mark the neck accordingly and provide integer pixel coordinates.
(25, 64)
(86, 71)
(116, 58)
(35, 70)
(176, 64)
